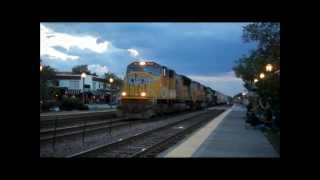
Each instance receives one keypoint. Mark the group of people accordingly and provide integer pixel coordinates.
(89, 98)
(261, 113)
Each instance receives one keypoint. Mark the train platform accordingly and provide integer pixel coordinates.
(225, 136)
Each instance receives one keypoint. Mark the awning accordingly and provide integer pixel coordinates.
(73, 91)
(100, 92)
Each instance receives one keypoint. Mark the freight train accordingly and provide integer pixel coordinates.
(152, 89)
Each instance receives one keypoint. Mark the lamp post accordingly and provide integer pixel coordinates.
(142, 63)
(269, 67)
(41, 101)
(261, 75)
(111, 81)
(83, 75)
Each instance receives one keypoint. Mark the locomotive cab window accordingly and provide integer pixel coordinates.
(149, 68)
(171, 73)
(152, 69)
(134, 68)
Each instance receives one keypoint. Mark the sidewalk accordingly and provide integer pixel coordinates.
(225, 136)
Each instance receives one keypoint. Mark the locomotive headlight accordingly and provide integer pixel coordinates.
(123, 93)
(143, 94)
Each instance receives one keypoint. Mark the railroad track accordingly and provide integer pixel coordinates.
(86, 126)
(47, 122)
(150, 143)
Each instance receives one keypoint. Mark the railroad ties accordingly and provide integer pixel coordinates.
(152, 142)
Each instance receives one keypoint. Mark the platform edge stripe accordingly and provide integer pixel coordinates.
(185, 149)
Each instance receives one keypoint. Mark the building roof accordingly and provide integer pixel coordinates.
(70, 75)
(98, 79)
(65, 72)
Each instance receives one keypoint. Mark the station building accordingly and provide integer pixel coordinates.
(94, 88)
(75, 84)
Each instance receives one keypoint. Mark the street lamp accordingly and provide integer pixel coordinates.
(255, 80)
(142, 63)
(262, 75)
(269, 67)
(83, 75)
(41, 67)
(111, 81)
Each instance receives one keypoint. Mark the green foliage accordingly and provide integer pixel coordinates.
(47, 73)
(72, 103)
(267, 35)
(49, 104)
(269, 89)
(80, 69)
(47, 76)
(44, 91)
(247, 67)
(118, 82)
(54, 91)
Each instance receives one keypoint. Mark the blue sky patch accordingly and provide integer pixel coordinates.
(203, 51)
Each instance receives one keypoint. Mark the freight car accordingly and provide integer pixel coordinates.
(211, 98)
(222, 99)
(150, 89)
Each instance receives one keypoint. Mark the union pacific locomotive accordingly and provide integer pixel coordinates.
(151, 89)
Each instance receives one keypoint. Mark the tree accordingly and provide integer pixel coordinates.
(47, 77)
(118, 82)
(267, 35)
(80, 69)
(247, 67)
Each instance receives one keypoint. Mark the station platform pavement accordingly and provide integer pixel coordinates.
(225, 136)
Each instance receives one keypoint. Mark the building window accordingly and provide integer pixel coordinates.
(63, 83)
(94, 85)
(74, 84)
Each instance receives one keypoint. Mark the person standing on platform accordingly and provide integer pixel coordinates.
(266, 113)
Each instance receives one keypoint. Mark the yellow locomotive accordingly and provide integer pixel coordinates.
(151, 89)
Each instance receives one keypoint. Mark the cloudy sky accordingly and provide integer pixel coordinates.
(205, 52)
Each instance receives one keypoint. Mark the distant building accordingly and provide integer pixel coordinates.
(75, 84)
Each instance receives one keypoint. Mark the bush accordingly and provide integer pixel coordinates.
(67, 104)
(49, 104)
(82, 107)
(72, 103)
